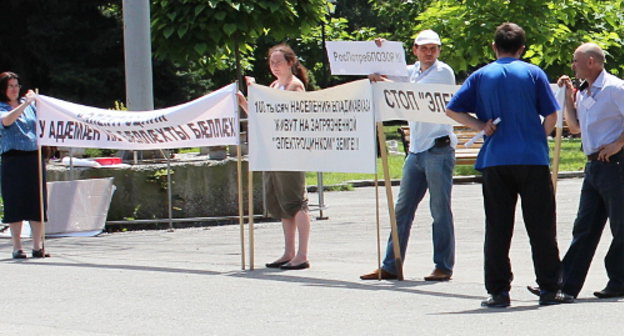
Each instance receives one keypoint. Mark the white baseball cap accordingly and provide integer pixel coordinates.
(427, 37)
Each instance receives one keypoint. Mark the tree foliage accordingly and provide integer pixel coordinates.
(208, 31)
(397, 17)
(312, 52)
(202, 33)
(554, 29)
(54, 46)
(73, 50)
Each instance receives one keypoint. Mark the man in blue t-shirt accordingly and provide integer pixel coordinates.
(514, 161)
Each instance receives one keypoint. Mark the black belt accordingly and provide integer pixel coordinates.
(17, 152)
(442, 141)
(594, 156)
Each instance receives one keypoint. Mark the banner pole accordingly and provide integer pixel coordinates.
(377, 225)
(239, 175)
(40, 168)
(169, 195)
(556, 158)
(241, 205)
(388, 184)
(41, 207)
(321, 195)
(557, 149)
(251, 218)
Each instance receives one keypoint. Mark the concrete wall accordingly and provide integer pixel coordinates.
(201, 188)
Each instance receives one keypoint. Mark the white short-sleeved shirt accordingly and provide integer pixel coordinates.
(601, 115)
(423, 135)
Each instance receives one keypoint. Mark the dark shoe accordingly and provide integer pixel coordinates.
(535, 290)
(500, 300)
(19, 254)
(301, 266)
(277, 264)
(609, 293)
(375, 275)
(40, 254)
(438, 275)
(553, 298)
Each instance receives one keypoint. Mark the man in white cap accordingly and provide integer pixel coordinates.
(428, 166)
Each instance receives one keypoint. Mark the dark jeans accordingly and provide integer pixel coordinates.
(501, 187)
(602, 197)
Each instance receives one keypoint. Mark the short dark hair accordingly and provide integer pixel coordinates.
(509, 37)
(4, 84)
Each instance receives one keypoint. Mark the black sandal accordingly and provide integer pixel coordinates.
(40, 254)
(277, 264)
(19, 254)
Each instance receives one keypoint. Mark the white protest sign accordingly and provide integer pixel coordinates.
(365, 58)
(413, 102)
(211, 120)
(331, 130)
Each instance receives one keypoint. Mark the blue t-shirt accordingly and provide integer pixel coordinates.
(21, 135)
(518, 93)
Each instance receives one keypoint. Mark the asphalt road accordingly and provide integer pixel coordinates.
(190, 281)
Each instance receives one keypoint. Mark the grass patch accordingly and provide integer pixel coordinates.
(395, 164)
(571, 159)
(189, 150)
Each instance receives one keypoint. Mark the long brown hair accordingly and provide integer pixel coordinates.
(297, 68)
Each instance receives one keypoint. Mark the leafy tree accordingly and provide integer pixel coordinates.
(209, 32)
(366, 14)
(312, 51)
(398, 17)
(53, 45)
(73, 50)
(554, 29)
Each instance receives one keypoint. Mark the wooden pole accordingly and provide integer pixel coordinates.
(557, 149)
(388, 183)
(556, 157)
(251, 219)
(40, 168)
(169, 191)
(241, 204)
(239, 169)
(378, 226)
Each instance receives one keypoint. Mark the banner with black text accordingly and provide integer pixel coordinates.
(330, 130)
(365, 58)
(413, 101)
(211, 120)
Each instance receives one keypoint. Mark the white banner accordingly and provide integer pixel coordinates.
(331, 130)
(413, 102)
(365, 58)
(211, 120)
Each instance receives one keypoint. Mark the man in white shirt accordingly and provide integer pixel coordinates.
(428, 166)
(598, 114)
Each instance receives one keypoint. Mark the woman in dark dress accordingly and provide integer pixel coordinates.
(20, 175)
